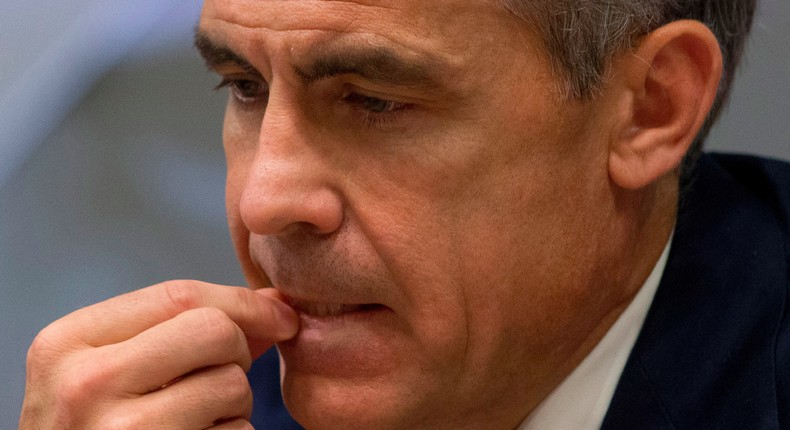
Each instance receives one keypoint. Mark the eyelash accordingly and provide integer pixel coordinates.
(239, 87)
(375, 112)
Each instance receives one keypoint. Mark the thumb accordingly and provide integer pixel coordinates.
(286, 322)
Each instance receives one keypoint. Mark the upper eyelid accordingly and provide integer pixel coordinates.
(361, 96)
(223, 83)
(230, 80)
(239, 75)
(347, 81)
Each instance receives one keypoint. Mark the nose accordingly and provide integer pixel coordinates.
(288, 185)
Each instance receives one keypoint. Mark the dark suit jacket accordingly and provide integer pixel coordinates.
(714, 352)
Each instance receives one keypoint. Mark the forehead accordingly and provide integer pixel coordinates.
(466, 45)
(335, 15)
(443, 26)
(463, 36)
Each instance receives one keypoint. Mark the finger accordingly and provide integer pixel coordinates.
(214, 395)
(238, 424)
(192, 340)
(260, 314)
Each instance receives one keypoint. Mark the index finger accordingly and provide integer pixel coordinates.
(261, 315)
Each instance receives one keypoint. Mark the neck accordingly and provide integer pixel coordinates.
(631, 244)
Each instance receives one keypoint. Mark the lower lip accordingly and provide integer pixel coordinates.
(353, 344)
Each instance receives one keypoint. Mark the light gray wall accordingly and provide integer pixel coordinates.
(757, 119)
(127, 189)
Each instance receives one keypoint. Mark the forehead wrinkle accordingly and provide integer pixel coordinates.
(283, 31)
(286, 15)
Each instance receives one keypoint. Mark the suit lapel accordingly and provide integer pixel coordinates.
(705, 355)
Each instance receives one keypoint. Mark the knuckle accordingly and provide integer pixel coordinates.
(244, 298)
(236, 424)
(242, 425)
(82, 385)
(123, 419)
(41, 350)
(217, 326)
(182, 295)
(49, 343)
(235, 384)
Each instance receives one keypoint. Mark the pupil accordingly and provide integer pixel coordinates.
(376, 105)
(248, 88)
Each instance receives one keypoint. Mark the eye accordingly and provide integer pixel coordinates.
(375, 112)
(246, 91)
(375, 105)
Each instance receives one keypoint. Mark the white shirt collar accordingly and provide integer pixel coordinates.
(581, 400)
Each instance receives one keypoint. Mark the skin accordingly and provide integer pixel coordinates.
(445, 212)
(172, 355)
(482, 232)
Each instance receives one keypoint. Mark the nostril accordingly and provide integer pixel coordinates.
(305, 229)
(298, 207)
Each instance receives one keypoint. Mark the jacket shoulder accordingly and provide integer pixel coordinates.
(714, 351)
(770, 181)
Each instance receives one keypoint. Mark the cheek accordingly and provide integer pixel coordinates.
(409, 233)
(239, 233)
(239, 143)
(234, 188)
(418, 256)
(233, 191)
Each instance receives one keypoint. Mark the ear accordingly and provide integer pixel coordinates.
(670, 83)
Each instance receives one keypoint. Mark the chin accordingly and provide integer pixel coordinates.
(319, 403)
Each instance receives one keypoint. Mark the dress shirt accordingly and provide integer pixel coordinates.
(581, 400)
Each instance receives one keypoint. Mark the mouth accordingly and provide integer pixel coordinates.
(329, 310)
(342, 340)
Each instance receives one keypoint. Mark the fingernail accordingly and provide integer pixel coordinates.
(287, 320)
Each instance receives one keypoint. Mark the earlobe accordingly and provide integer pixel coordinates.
(671, 81)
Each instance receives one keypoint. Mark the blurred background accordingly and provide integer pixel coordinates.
(111, 165)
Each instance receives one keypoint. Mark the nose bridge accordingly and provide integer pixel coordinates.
(282, 133)
(288, 184)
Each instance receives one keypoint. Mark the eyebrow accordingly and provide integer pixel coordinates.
(377, 64)
(216, 54)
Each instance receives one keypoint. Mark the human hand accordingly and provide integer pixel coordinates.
(172, 356)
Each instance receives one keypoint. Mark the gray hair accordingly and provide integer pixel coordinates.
(582, 36)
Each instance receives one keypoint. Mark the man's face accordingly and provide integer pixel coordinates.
(406, 173)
